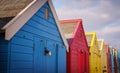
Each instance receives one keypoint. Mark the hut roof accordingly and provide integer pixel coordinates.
(10, 8)
(101, 44)
(90, 36)
(69, 26)
(26, 12)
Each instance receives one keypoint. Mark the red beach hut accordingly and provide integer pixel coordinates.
(108, 58)
(78, 55)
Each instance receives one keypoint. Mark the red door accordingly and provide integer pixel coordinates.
(81, 62)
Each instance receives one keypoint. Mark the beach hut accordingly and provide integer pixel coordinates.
(103, 56)
(94, 57)
(112, 58)
(115, 60)
(31, 41)
(118, 61)
(109, 65)
(78, 55)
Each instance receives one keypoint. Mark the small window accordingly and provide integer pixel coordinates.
(46, 13)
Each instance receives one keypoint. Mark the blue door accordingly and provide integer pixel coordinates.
(45, 56)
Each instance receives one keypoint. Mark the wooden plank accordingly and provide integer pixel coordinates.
(21, 57)
(41, 14)
(3, 48)
(21, 65)
(24, 34)
(61, 59)
(41, 33)
(22, 71)
(3, 57)
(21, 49)
(3, 66)
(43, 28)
(43, 21)
(22, 41)
(39, 56)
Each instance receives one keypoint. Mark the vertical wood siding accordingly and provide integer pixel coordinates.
(94, 57)
(112, 59)
(78, 52)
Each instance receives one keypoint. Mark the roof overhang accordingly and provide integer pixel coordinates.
(12, 27)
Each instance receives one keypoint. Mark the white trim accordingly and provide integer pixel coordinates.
(58, 24)
(16, 23)
(68, 36)
(102, 43)
(18, 15)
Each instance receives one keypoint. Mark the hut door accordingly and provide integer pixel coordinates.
(39, 57)
(85, 62)
(51, 57)
(45, 56)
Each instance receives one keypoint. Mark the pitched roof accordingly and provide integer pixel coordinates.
(68, 26)
(10, 8)
(90, 36)
(100, 43)
(17, 22)
(107, 48)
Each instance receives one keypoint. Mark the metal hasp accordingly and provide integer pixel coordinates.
(47, 52)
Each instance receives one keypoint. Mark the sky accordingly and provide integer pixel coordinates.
(100, 16)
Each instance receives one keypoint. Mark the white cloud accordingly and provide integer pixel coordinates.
(105, 16)
(102, 16)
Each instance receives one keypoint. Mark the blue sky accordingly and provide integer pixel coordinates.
(100, 16)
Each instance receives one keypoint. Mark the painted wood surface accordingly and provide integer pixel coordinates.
(103, 56)
(3, 54)
(94, 57)
(26, 52)
(115, 60)
(112, 58)
(118, 61)
(77, 57)
(108, 58)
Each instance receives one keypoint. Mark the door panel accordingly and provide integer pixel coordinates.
(51, 60)
(39, 57)
(61, 59)
(45, 56)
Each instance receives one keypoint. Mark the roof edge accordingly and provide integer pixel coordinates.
(18, 15)
(12, 27)
(102, 43)
(58, 24)
(70, 21)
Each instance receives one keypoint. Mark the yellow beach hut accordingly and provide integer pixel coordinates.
(103, 56)
(94, 57)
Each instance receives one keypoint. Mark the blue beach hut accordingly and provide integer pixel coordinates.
(118, 62)
(112, 58)
(32, 40)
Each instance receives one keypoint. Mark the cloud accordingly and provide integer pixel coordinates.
(102, 16)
